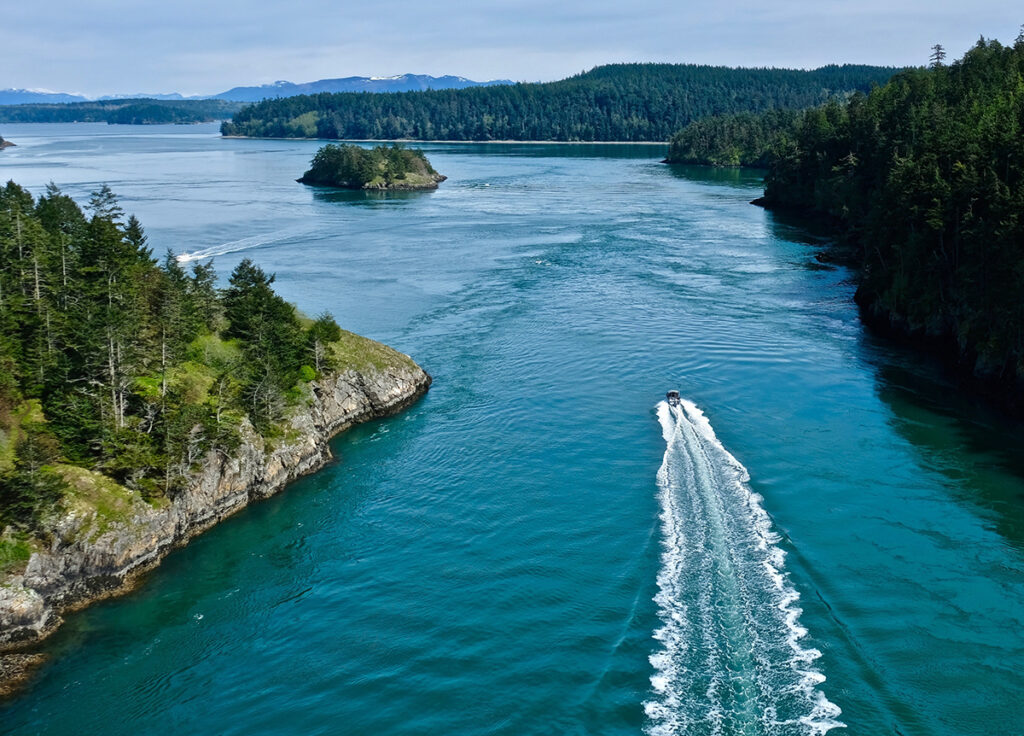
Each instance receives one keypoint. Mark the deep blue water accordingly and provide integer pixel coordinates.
(532, 549)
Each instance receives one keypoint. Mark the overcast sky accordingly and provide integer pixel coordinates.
(97, 47)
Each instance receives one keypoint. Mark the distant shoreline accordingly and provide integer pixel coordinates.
(417, 140)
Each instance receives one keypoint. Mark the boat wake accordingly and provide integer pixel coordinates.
(255, 241)
(730, 659)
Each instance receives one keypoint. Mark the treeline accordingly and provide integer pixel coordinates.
(744, 139)
(118, 362)
(121, 112)
(925, 176)
(355, 167)
(627, 102)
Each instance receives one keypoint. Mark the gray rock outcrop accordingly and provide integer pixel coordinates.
(87, 561)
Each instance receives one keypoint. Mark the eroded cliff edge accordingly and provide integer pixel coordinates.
(91, 557)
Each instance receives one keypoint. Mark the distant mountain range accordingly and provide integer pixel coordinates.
(398, 83)
(28, 96)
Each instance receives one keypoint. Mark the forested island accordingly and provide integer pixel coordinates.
(382, 168)
(618, 102)
(140, 403)
(121, 112)
(924, 179)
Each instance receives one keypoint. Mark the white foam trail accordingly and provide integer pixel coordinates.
(730, 659)
(234, 246)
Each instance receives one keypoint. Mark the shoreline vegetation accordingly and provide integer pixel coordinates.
(140, 404)
(383, 168)
(733, 141)
(616, 102)
(921, 181)
(132, 111)
(403, 141)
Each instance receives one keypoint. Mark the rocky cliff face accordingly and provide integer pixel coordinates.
(87, 561)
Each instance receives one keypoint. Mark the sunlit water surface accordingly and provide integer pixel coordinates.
(824, 536)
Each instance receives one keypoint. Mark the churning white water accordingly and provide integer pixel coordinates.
(730, 659)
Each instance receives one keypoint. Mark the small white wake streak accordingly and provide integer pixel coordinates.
(249, 243)
(730, 659)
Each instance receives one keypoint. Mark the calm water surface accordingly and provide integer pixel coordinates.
(536, 547)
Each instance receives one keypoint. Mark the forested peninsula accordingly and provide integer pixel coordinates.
(139, 403)
(4, 144)
(617, 102)
(924, 179)
(382, 168)
(121, 112)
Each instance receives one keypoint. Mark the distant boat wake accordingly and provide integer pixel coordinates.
(255, 241)
(730, 660)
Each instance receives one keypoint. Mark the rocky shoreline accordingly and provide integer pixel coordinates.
(1000, 385)
(416, 184)
(87, 561)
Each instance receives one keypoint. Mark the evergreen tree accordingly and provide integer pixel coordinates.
(322, 333)
(625, 102)
(926, 176)
(122, 354)
(270, 334)
(31, 487)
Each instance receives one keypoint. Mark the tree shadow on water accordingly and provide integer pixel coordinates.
(367, 197)
(978, 450)
(726, 175)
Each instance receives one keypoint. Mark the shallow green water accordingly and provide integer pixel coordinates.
(531, 549)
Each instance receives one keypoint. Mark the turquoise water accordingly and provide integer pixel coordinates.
(538, 547)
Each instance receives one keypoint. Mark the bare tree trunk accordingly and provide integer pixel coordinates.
(163, 362)
(37, 294)
(64, 273)
(115, 401)
(21, 253)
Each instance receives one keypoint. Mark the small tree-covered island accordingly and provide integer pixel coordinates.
(394, 167)
(140, 404)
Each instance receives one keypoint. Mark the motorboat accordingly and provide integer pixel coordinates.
(673, 398)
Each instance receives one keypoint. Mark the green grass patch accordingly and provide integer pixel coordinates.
(354, 352)
(92, 492)
(304, 319)
(27, 412)
(14, 554)
(193, 381)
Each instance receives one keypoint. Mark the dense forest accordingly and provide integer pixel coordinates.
(384, 167)
(626, 102)
(743, 139)
(115, 361)
(924, 177)
(121, 112)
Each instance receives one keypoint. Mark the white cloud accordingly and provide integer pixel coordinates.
(108, 46)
